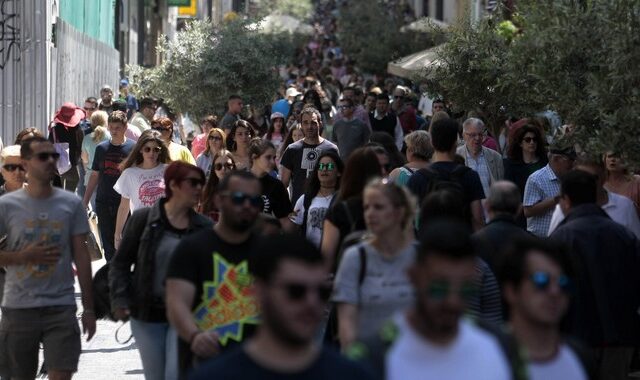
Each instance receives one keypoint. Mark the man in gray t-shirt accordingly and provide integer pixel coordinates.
(46, 231)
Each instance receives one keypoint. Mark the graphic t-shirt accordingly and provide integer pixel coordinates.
(315, 216)
(107, 161)
(143, 187)
(224, 300)
(53, 220)
(300, 158)
(275, 197)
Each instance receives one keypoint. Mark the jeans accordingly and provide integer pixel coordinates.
(158, 347)
(107, 215)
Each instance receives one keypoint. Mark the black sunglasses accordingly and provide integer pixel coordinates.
(298, 292)
(148, 149)
(216, 138)
(160, 129)
(13, 167)
(220, 166)
(239, 198)
(194, 181)
(529, 139)
(542, 281)
(44, 156)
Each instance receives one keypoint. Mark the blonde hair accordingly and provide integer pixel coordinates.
(99, 125)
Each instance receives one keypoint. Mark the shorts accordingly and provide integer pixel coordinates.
(22, 331)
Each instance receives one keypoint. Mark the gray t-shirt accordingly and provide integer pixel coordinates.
(385, 289)
(350, 135)
(167, 246)
(55, 220)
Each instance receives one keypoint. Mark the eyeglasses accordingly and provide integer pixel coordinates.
(529, 139)
(155, 149)
(44, 156)
(194, 181)
(13, 167)
(329, 166)
(298, 292)
(239, 198)
(160, 129)
(474, 135)
(220, 166)
(542, 280)
(215, 138)
(440, 290)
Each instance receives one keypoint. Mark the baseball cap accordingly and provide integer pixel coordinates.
(291, 91)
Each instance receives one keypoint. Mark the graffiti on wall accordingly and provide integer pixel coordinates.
(9, 32)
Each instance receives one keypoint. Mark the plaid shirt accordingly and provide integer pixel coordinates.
(480, 166)
(542, 184)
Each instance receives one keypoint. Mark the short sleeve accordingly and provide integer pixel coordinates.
(183, 263)
(187, 156)
(98, 158)
(280, 198)
(287, 158)
(123, 184)
(298, 211)
(80, 224)
(532, 193)
(346, 287)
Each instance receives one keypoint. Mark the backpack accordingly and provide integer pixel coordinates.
(352, 238)
(450, 181)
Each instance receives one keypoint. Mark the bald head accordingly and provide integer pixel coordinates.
(504, 198)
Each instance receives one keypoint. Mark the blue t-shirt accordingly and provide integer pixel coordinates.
(107, 161)
(237, 365)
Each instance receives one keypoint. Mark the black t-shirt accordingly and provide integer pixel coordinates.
(275, 197)
(107, 161)
(470, 181)
(347, 216)
(237, 365)
(224, 300)
(300, 158)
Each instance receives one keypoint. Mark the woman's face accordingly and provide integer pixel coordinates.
(277, 124)
(379, 213)
(297, 135)
(13, 171)
(614, 162)
(222, 166)
(328, 172)
(215, 142)
(267, 161)
(529, 142)
(242, 136)
(150, 152)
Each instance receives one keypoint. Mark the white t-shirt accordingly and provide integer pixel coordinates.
(565, 365)
(143, 187)
(315, 217)
(619, 208)
(474, 354)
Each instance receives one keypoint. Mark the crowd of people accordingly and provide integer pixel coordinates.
(352, 229)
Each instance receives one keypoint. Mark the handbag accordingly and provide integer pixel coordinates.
(62, 148)
(93, 238)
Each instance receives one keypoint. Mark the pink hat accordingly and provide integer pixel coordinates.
(69, 115)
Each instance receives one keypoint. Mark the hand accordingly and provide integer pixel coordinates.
(88, 324)
(40, 253)
(121, 314)
(205, 344)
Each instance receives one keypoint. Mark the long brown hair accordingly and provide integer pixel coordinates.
(136, 158)
(207, 204)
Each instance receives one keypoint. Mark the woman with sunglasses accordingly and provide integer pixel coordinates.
(312, 206)
(274, 195)
(223, 163)
(141, 183)
(216, 141)
(149, 239)
(526, 154)
(177, 152)
(372, 283)
(12, 170)
(238, 144)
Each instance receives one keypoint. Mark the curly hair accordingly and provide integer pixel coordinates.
(515, 150)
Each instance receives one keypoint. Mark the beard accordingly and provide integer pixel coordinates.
(279, 328)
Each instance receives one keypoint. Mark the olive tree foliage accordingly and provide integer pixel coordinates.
(578, 58)
(203, 66)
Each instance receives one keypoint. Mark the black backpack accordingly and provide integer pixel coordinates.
(449, 181)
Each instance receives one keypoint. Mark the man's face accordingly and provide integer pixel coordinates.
(346, 109)
(89, 109)
(382, 106)
(398, 96)
(235, 106)
(542, 298)
(107, 96)
(437, 107)
(562, 164)
(13, 171)
(348, 94)
(443, 287)
(293, 302)
(41, 165)
(371, 103)
(148, 112)
(240, 204)
(473, 136)
(117, 130)
(310, 125)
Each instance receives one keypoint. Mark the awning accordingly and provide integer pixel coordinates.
(423, 25)
(409, 66)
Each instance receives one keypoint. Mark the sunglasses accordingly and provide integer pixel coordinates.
(160, 129)
(215, 138)
(298, 292)
(328, 166)
(239, 198)
(220, 166)
(194, 181)
(13, 167)
(440, 290)
(398, 97)
(44, 156)
(529, 139)
(155, 149)
(542, 280)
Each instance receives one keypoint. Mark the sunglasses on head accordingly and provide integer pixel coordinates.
(542, 280)
(529, 139)
(440, 290)
(194, 181)
(13, 167)
(329, 166)
(239, 198)
(298, 292)
(44, 156)
(155, 149)
(215, 138)
(220, 166)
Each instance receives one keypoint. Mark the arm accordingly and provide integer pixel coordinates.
(123, 213)
(477, 215)
(534, 202)
(83, 267)
(540, 208)
(32, 253)
(330, 242)
(91, 187)
(285, 176)
(85, 157)
(179, 297)
(347, 324)
(398, 134)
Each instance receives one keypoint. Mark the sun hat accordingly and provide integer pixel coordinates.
(69, 115)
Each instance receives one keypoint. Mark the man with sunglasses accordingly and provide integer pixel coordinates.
(403, 108)
(208, 297)
(535, 283)
(46, 231)
(604, 309)
(291, 289)
(349, 133)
